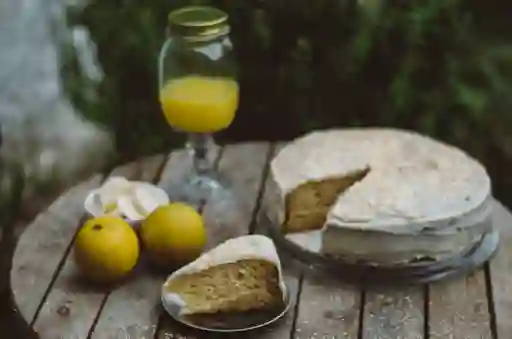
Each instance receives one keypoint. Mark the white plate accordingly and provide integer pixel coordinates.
(243, 321)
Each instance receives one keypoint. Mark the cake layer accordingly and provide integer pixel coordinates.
(414, 189)
(390, 248)
(235, 287)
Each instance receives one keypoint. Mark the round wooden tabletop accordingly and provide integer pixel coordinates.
(56, 303)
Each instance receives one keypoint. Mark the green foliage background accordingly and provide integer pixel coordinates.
(441, 67)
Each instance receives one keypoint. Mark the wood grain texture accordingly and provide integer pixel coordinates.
(134, 306)
(327, 309)
(459, 308)
(72, 304)
(292, 271)
(47, 237)
(501, 272)
(324, 309)
(243, 165)
(391, 313)
(282, 328)
(173, 176)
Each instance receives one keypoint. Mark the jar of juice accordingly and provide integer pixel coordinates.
(198, 89)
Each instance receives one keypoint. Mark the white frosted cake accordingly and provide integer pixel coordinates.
(241, 274)
(378, 195)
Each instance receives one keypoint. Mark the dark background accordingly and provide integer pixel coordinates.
(440, 67)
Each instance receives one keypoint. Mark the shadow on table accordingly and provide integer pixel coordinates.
(12, 324)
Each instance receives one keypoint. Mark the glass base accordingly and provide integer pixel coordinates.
(199, 189)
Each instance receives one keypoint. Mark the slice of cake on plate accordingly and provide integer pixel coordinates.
(241, 274)
(378, 194)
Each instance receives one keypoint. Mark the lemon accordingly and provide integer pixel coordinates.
(173, 234)
(106, 249)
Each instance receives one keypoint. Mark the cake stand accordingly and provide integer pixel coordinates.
(414, 272)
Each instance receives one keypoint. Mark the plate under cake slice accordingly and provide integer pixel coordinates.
(378, 195)
(239, 275)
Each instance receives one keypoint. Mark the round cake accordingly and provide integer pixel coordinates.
(378, 195)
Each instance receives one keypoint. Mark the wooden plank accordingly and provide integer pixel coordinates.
(292, 272)
(175, 175)
(47, 237)
(72, 305)
(135, 305)
(282, 328)
(178, 167)
(501, 272)
(391, 313)
(243, 165)
(327, 309)
(458, 308)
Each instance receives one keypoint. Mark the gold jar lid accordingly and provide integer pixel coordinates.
(198, 23)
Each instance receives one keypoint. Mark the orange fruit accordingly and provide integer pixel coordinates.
(173, 234)
(106, 249)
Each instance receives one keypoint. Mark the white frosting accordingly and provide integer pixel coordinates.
(246, 247)
(412, 177)
(414, 185)
(381, 247)
(133, 200)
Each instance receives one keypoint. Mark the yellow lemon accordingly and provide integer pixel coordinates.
(106, 249)
(173, 234)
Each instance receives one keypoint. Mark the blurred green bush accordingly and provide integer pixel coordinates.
(441, 67)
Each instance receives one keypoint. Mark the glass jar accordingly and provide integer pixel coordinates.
(198, 93)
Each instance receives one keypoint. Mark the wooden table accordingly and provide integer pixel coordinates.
(56, 304)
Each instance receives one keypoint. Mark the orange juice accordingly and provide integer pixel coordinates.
(199, 104)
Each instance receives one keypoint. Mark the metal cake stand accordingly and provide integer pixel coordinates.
(416, 272)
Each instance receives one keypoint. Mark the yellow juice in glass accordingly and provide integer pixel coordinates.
(198, 104)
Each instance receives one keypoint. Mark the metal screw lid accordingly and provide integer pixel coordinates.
(198, 22)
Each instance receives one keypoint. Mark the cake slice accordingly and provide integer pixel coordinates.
(241, 274)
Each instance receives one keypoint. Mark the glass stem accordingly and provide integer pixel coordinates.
(200, 144)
